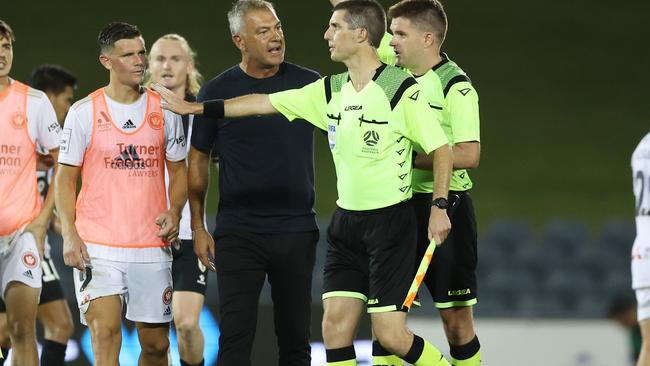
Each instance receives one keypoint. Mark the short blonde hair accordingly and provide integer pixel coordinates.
(194, 78)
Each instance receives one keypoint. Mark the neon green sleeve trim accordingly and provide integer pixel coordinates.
(382, 309)
(456, 304)
(349, 294)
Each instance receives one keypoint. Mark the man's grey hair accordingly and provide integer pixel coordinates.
(241, 8)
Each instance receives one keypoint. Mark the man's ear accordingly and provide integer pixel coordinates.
(239, 42)
(105, 61)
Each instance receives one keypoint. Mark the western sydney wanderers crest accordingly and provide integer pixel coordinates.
(18, 120)
(29, 260)
(155, 120)
(167, 296)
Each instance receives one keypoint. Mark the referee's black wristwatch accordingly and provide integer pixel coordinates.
(440, 202)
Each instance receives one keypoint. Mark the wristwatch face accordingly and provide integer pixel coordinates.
(441, 202)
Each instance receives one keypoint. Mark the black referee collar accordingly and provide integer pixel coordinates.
(444, 60)
(378, 72)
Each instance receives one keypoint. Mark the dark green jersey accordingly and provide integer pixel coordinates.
(371, 132)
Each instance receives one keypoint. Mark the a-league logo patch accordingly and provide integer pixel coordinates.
(29, 260)
(371, 138)
(18, 120)
(167, 296)
(155, 120)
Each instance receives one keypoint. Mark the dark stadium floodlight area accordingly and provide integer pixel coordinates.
(561, 86)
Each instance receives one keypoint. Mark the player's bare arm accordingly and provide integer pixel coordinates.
(39, 226)
(247, 105)
(467, 155)
(75, 253)
(198, 173)
(439, 224)
(169, 220)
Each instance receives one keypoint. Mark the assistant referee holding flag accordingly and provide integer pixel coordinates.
(419, 28)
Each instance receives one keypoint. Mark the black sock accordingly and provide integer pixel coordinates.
(185, 363)
(340, 354)
(415, 352)
(53, 353)
(378, 350)
(5, 352)
(466, 350)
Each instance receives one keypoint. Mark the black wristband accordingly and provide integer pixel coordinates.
(213, 108)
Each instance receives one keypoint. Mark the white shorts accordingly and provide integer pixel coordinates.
(643, 303)
(21, 263)
(146, 288)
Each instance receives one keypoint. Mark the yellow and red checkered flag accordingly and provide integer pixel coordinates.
(419, 275)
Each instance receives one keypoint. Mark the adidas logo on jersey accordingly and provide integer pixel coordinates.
(127, 159)
(168, 311)
(128, 125)
(28, 274)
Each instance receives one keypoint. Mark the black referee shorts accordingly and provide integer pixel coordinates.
(188, 273)
(451, 278)
(370, 256)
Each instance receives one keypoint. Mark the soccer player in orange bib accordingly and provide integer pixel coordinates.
(27, 123)
(118, 235)
(53, 312)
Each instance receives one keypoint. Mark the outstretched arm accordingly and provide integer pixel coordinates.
(248, 105)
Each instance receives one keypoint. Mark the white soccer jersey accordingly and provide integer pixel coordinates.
(641, 247)
(44, 130)
(184, 227)
(77, 133)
